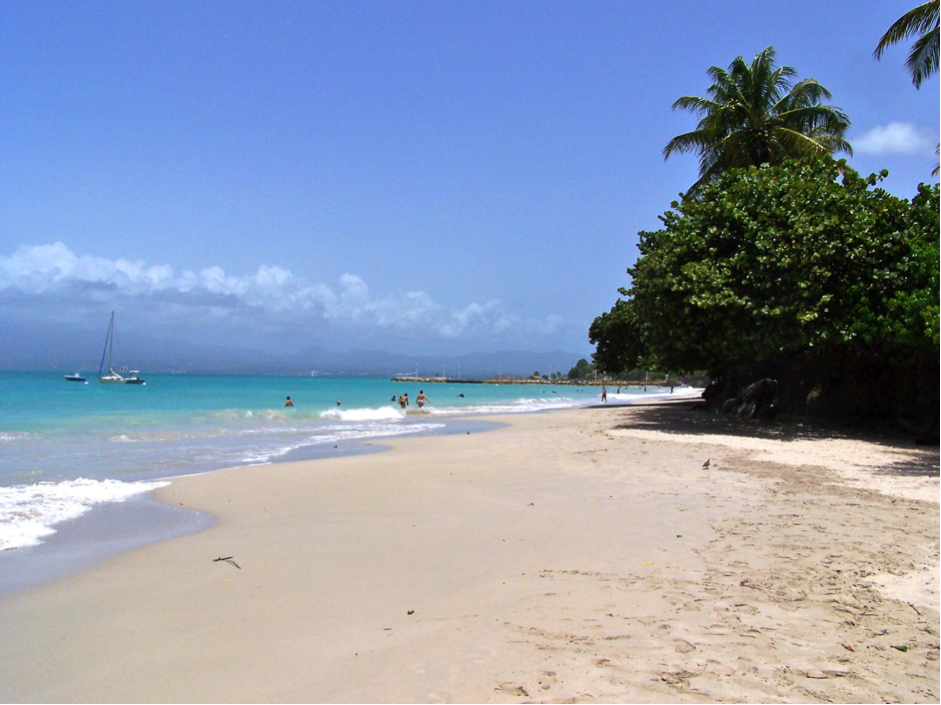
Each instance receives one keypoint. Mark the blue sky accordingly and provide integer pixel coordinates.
(419, 177)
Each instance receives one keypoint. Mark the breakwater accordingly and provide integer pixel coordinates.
(520, 380)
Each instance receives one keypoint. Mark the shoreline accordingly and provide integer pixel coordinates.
(583, 554)
(59, 553)
(111, 528)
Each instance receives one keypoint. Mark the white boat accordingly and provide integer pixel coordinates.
(77, 377)
(113, 377)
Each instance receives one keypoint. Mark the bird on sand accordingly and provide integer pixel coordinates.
(706, 464)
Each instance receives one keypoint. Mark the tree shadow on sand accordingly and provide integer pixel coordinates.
(690, 419)
(926, 466)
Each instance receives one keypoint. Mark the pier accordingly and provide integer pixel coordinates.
(441, 380)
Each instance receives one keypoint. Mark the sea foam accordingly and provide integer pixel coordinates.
(28, 512)
(383, 413)
(13, 436)
(524, 405)
(336, 434)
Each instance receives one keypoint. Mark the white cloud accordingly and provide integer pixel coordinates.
(272, 294)
(489, 317)
(895, 138)
(549, 325)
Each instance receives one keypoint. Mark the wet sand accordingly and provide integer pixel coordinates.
(583, 556)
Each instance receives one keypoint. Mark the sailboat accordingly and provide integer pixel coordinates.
(113, 377)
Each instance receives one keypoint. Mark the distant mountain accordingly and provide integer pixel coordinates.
(68, 350)
(476, 364)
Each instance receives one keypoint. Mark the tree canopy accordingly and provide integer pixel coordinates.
(756, 114)
(779, 261)
(581, 370)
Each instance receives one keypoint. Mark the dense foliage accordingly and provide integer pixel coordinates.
(581, 370)
(756, 114)
(775, 263)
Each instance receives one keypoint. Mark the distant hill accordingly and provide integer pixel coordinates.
(68, 350)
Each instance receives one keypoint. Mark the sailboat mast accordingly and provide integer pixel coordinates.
(111, 342)
(107, 341)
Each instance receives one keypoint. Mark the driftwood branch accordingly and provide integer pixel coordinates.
(227, 559)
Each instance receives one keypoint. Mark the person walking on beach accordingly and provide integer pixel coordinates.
(289, 402)
(421, 398)
(604, 395)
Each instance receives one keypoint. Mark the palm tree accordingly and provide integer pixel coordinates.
(757, 115)
(923, 58)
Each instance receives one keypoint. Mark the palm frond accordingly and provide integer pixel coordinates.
(918, 20)
(695, 104)
(689, 142)
(922, 61)
(826, 118)
(797, 143)
(808, 92)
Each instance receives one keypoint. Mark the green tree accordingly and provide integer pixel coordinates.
(619, 339)
(923, 22)
(756, 114)
(920, 304)
(581, 370)
(776, 262)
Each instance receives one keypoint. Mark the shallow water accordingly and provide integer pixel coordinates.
(67, 447)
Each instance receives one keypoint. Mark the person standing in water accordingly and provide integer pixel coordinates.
(421, 398)
(289, 402)
(604, 395)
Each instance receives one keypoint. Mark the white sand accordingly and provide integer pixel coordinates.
(574, 556)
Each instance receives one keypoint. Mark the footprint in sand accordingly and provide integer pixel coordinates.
(677, 677)
(547, 679)
(513, 689)
(682, 646)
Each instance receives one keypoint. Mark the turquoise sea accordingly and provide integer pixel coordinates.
(67, 447)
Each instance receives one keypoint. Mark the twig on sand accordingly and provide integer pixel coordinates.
(227, 559)
(914, 608)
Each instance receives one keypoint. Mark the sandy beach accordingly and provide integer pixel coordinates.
(576, 556)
